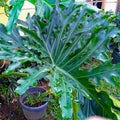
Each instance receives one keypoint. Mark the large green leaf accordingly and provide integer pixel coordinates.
(105, 71)
(91, 107)
(73, 35)
(35, 74)
(43, 9)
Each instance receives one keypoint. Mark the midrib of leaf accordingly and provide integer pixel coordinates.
(35, 37)
(73, 78)
(69, 76)
(49, 53)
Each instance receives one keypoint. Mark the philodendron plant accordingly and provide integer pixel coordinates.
(44, 7)
(61, 46)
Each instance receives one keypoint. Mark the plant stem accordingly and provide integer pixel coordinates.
(13, 73)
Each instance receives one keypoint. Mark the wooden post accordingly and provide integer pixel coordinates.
(103, 4)
(118, 6)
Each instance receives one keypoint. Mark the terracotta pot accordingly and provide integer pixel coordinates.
(3, 65)
(33, 113)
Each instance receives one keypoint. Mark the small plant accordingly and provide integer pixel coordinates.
(35, 100)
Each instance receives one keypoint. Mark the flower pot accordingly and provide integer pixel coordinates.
(33, 113)
(3, 65)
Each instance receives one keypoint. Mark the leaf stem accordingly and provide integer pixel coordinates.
(13, 73)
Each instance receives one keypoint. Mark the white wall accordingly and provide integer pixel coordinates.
(110, 5)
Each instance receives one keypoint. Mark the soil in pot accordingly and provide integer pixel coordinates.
(35, 100)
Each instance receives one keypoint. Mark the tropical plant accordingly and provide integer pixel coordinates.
(43, 8)
(61, 47)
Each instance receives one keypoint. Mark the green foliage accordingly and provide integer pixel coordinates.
(3, 3)
(7, 89)
(114, 45)
(54, 108)
(43, 8)
(113, 91)
(14, 12)
(73, 35)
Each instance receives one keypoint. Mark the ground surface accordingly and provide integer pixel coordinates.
(14, 112)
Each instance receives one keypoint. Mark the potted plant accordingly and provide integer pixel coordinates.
(34, 103)
(60, 46)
